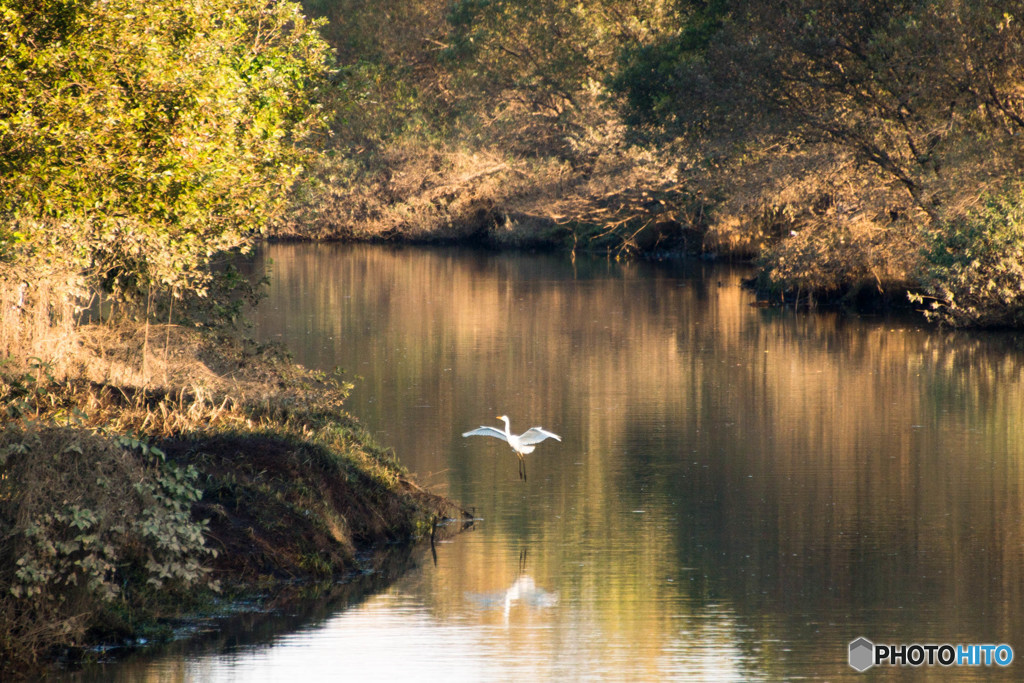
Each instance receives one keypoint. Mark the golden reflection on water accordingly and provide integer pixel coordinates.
(821, 477)
(739, 492)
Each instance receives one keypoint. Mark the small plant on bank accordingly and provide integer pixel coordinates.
(90, 527)
(974, 265)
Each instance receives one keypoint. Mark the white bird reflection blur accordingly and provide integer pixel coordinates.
(523, 591)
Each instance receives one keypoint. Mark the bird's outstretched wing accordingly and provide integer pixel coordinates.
(487, 431)
(536, 435)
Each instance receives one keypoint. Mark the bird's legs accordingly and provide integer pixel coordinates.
(522, 467)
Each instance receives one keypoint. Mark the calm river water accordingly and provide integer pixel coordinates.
(739, 492)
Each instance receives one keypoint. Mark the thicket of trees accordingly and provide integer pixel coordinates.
(916, 107)
(925, 95)
(139, 139)
(846, 143)
(843, 142)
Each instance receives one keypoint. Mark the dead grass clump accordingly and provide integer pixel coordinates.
(38, 308)
(293, 485)
(174, 356)
(413, 191)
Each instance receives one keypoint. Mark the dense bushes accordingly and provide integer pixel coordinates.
(922, 96)
(974, 265)
(90, 527)
(137, 140)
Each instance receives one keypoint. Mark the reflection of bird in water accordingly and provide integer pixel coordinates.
(521, 444)
(523, 590)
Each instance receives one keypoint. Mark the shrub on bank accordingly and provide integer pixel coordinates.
(974, 265)
(94, 530)
(139, 140)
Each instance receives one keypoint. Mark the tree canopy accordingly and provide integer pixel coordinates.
(138, 139)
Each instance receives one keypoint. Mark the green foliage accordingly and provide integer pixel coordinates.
(906, 86)
(387, 83)
(546, 53)
(90, 526)
(174, 541)
(96, 533)
(543, 49)
(20, 392)
(139, 139)
(655, 76)
(974, 266)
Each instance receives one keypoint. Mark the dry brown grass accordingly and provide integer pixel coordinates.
(821, 225)
(38, 309)
(172, 356)
(518, 188)
(420, 192)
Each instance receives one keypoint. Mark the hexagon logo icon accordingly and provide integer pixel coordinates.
(862, 654)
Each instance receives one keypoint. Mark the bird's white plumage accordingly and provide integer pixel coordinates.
(522, 444)
(536, 435)
(487, 431)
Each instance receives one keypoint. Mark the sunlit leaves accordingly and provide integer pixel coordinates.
(546, 51)
(975, 264)
(155, 133)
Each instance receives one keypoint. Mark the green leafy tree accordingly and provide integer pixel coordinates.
(549, 57)
(662, 77)
(914, 87)
(139, 139)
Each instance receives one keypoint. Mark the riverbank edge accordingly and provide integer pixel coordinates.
(656, 242)
(290, 491)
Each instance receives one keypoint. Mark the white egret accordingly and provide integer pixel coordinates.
(521, 444)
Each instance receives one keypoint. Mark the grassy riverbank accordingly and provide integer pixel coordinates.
(129, 497)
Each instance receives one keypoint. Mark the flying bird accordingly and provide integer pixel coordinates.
(521, 444)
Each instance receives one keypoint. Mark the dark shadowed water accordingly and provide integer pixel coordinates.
(739, 491)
